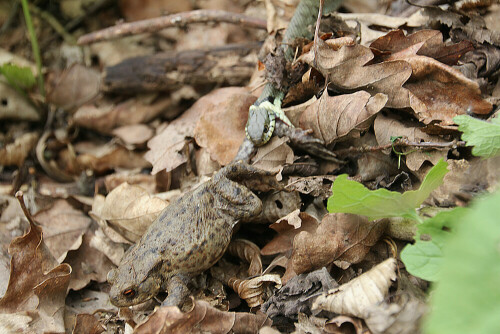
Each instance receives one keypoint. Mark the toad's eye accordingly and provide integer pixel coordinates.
(129, 293)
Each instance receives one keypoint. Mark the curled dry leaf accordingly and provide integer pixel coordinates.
(333, 118)
(15, 153)
(249, 252)
(63, 228)
(339, 237)
(288, 227)
(15, 106)
(202, 318)
(344, 324)
(358, 295)
(37, 283)
(255, 291)
(221, 127)
(276, 205)
(128, 209)
(104, 118)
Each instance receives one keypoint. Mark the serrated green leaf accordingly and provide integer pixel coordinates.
(484, 136)
(466, 298)
(425, 258)
(352, 197)
(18, 77)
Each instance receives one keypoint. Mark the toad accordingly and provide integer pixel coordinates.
(189, 236)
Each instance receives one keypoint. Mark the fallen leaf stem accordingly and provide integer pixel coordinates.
(174, 20)
(401, 142)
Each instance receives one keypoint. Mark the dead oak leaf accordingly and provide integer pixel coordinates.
(444, 91)
(333, 118)
(37, 283)
(345, 238)
(344, 68)
(274, 155)
(423, 42)
(203, 318)
(221, 127)
(63, 227)
(288, 227)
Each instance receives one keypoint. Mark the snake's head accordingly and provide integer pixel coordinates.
(260, 125)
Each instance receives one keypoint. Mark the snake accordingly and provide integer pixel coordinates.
(263, 113)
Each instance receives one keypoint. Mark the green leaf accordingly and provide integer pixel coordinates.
(466, 298)
(484, 136)
(18, 77)
(425, 258)
(352, 197)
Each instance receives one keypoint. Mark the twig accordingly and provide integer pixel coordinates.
(34, 46)
(175, 20)
(401, 142)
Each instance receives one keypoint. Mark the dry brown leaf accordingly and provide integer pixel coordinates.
(355, 297)
(316, 186)
(63, 228)
(249, 252)
(288, 227)
(76, 86)
(444, 91)
(16, 323)
(339, 237)
(255, 291)
(387, 127)
(202, 318)
(15, 106)
(136, 134)
(221, 127)
(424, 43)
(345, 69)
(88, 263)
(166, 149)
(106, 116)
(100, 158)
(334, 118)
(276, 205)
(37, 283)
(15, 153)
(87, 324)
(273, 155)
(145, 181)
(129, 210)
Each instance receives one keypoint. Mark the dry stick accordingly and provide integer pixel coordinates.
(20, 198)
(399, 143)
(175, 20)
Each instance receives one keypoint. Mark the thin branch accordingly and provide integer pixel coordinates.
(175, 20)
(401, 142)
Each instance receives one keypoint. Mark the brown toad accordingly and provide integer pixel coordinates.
(189, 236)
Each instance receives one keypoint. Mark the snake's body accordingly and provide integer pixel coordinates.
(263, 113)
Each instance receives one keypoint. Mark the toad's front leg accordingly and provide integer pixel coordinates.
(177, 290)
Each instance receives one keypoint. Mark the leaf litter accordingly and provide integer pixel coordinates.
(390, 97)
